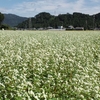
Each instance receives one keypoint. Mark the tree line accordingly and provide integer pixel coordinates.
(1, 19)
(2, 26)
(44, 20)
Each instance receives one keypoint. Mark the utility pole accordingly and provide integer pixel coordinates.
(93, 22)
(30, 24)
(86, 24)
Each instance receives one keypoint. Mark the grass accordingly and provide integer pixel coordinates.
(49, 65)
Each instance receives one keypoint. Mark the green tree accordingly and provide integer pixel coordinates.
(1, 18)
(5, 27)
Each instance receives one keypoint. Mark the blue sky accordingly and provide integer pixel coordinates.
(29, 8)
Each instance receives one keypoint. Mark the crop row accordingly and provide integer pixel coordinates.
(49, 65)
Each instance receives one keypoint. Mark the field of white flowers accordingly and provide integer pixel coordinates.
(49, 65)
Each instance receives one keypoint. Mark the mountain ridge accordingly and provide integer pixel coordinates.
(13, 20)
(44, 18)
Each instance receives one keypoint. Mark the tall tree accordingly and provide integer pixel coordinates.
(1, 18)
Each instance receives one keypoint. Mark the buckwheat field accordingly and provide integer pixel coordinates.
(49, 65)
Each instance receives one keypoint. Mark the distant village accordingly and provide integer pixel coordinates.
(60, 28)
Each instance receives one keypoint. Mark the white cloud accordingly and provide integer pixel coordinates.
(95, 1)
(32, 8)
(52, 6)
(91, 11)
(79, 4)
(2, 9)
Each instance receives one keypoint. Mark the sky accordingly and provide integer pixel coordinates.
(30, 8)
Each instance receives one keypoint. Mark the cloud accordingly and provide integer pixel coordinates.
(96, 1)
(52, 6)
(2, 9)
(78, 5)
(91, 11)
(32, 8)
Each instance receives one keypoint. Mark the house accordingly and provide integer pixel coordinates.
(79, 28)
(76, 28)
(60, 27)
(49, 27)
(70, 27)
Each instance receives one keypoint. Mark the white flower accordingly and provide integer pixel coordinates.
(2, 85)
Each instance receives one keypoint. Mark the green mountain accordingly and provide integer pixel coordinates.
(13, 20)
(44, 20)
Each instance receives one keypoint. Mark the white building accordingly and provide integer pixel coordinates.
(60, 27)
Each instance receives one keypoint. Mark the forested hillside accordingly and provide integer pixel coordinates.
(44, 20)
(13, 20)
